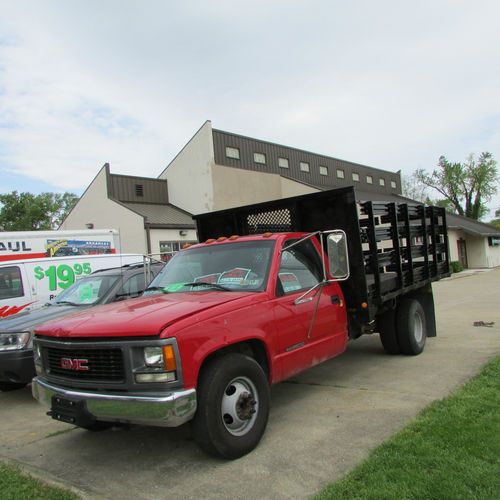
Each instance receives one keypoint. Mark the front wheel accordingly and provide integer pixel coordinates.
(233, 406)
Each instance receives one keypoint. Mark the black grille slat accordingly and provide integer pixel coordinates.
(104, 364)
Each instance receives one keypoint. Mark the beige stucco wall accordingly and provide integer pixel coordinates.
(189, 175)
(493, 256)
(234, 187)
(158, 235)
(479, 253)
(95, 207)
(453, 236)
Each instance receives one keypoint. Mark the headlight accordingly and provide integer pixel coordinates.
(160, 365)
(14, 341)
(153, 356)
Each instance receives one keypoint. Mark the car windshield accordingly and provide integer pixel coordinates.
(87, 291)
(239, 266)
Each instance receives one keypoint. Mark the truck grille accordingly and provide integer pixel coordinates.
(98, 364)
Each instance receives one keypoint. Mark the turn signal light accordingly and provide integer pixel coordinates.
(169, 358)
(364, 305)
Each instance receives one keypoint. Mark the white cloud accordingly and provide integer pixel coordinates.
(389, 84)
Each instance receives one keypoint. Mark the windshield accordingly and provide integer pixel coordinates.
(232, 266)
(87, 291)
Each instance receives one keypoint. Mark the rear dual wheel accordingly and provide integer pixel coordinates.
(404, 330)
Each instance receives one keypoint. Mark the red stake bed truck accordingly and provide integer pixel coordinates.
(274, 289)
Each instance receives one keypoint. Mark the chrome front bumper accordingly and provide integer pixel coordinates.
(171, 410)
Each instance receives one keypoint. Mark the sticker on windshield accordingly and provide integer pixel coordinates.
(173, 287)
(236, 276)
(208, 278)
(289, 282)
(85, 293)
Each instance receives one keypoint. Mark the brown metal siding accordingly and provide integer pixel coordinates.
(123, 188)
(249, 146)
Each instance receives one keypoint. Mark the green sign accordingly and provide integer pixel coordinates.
(63, 275)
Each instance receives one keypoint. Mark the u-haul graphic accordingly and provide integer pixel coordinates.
(20, 245)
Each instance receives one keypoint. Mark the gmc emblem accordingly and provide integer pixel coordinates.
(80, 365)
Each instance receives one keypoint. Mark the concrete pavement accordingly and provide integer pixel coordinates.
(322, 422)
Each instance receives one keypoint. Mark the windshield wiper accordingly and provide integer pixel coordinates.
(155, 288)
(212, 285)
(69, 303)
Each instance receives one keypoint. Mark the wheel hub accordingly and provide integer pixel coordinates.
(239, 406)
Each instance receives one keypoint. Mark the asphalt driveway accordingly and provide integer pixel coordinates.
(322, 423)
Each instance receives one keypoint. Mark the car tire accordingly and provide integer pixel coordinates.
(233, 406)
(388, 333)
(11, 386)
(411, 326)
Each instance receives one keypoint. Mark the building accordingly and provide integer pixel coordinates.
(222, 170)
(138, 207)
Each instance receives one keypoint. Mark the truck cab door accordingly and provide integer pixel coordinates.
(313, 328)
(15, 293)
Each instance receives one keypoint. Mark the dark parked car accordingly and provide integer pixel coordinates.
(101, 287)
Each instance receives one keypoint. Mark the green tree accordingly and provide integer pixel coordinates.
(30, 212)
(468, 186)
(496, 222)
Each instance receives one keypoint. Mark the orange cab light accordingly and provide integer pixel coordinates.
(266, 235)
(233, 237)
(221, 238)
(169, 358)
(186, 245)
(210, 240)
(364, 305)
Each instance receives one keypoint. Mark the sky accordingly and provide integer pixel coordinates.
(390, 84)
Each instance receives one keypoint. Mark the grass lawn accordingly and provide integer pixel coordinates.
(452, 450)
(15, 485)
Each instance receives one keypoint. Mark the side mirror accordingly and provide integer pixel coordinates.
(338, 258)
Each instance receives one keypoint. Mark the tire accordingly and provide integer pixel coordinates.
(229, 388)
(411, 327)
(388, 334)
(11, 386)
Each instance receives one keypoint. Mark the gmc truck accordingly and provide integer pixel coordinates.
(273, 289)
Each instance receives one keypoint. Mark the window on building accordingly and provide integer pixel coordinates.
(233, 153)
(139, 190)
(393, 184)
(323, 170)
(369, 179)
(381, 181)
(340, 173)
(355, 177)
(283, 162)
(169, 248)
(304, 166)
(259, 158)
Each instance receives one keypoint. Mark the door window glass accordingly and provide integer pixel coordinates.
(300, 268)
(11, 283)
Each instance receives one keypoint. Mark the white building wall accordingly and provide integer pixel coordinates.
(453, 236)
(94, 207)
(291, 188)
(189, 175)
(476, 251)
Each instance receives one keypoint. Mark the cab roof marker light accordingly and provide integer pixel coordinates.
(221, 238)
(210, 240)
(233, 237)
(267, 235)
(186, 245)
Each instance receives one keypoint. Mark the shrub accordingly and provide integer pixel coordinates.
(456, 266)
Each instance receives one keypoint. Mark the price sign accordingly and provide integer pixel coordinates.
(63, 275)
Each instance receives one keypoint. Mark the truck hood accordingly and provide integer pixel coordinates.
(144, 316)
(28, 320)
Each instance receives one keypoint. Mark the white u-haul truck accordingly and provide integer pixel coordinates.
(21, 245)
(30, 283)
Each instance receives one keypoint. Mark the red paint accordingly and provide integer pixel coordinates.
(206, 321)
(11, 310)
(22, 256)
